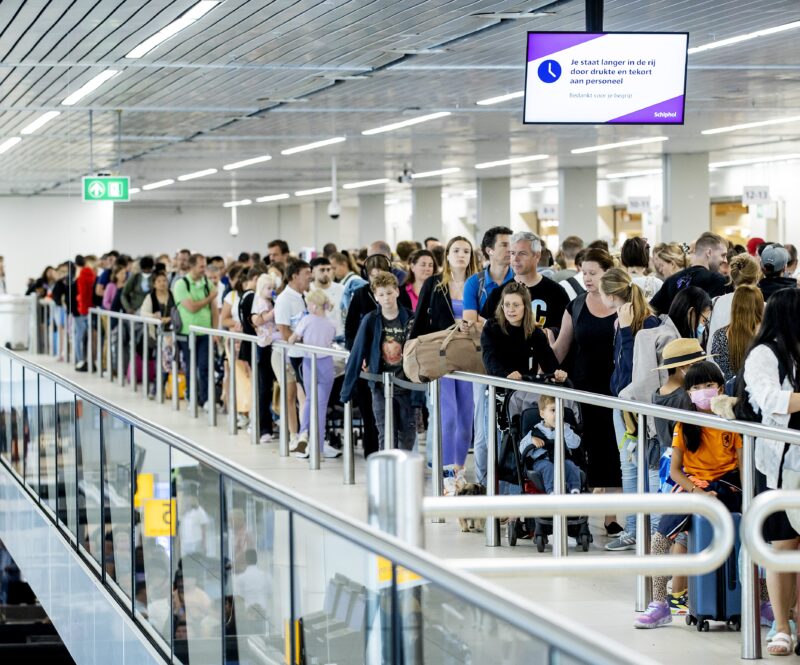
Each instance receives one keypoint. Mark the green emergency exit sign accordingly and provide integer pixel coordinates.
(106, 188)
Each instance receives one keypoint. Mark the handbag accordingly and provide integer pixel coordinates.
(431, 356)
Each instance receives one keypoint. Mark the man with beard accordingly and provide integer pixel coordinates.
(322, 274)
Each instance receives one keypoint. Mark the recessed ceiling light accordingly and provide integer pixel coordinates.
(134, 190)
(511, 16)
(313, 146)
(246, 162)
(544, 183)
(619, 144)
(365, 183)
(416, 51)
(40, 122)
(405, 123)
(236, 204)
(156, 185)
(9, 143)
(310, 192)
(500, 98)
(283, 100)
(746, 125)
(757, 160)
(347, 77)
(511, 160)
(89, 86)
(744, 38)
(390, 202)
(196, 174)
(431, 174)
(195, 13)
(272, 197)
(633, 174)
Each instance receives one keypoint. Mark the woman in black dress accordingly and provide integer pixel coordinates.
(589, 325)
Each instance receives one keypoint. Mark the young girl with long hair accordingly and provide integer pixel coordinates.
(729, 344)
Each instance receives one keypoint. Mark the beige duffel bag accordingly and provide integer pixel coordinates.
(431, 356)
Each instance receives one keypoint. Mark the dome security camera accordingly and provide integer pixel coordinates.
(334, 210)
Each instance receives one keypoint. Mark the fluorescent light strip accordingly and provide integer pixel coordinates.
(313, 146)
(544, 183)
(246, 162)
(196, 12)
(511, 160)
(746, 125)
(89, 86)
(501, 98)
(745, 37)
(40, 122)
(391, 202)
(134, 190)
(236, 204)
(365, 183)
(317, 190)
(9, 143)
(431, 174)
(758, 160)
(405, 123)
(633, 174)
(272, 197)
(196, 174)
(620, 144)
(156, 185)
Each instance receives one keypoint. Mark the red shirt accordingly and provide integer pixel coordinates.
(84, 290)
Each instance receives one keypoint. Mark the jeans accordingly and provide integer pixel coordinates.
(405, 427)
(324, 385)
(627, 463)
(544, 467)
(81, 324)
(480, 398)
(201, 380)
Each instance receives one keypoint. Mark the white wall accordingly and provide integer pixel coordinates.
(40, 231)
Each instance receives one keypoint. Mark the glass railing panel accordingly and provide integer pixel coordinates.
(67, 490)
(47, 442)
(17, 418)
(341, 599)
(5, 409)
(90, 529)
(117, 550)
(198, 564)
(154, 528)
(31, 429)
(256, 546)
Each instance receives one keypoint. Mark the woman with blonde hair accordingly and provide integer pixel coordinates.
(729, 345)
(745, 270)
(669, 258)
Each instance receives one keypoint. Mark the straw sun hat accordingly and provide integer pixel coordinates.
(682, 351)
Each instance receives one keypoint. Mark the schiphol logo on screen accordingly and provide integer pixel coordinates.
(618, 78)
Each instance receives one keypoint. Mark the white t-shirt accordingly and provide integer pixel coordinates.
(335, 291)
(567, 286)
(650, 284)
(290, 307)
(720, 314)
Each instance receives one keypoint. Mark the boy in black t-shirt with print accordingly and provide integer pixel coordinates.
(378, 348)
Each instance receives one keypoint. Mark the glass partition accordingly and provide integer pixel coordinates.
(17, 419)
(31, 429)
(5, 409)
(90, 528)
(66, 479)
(47, 442)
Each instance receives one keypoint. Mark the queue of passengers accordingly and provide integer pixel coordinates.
(674, 325)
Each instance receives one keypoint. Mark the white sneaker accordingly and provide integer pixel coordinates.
(329, 452)
(242, 421)
(265, 438)
(298, 441)
(301, 450)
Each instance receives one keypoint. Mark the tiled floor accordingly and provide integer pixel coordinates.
(602, 603)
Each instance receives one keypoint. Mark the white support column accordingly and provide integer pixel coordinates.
(494, 203)
(577, 203)
(371, 218)
(426, 216)
(686, 204)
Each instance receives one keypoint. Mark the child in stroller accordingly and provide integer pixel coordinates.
(534, 468)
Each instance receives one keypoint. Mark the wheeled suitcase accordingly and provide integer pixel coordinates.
(715, 596)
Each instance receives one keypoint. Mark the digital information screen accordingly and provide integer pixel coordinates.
(605, 78)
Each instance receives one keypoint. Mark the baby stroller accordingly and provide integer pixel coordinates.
(520, 416)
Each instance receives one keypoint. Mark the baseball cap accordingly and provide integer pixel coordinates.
(774, 259)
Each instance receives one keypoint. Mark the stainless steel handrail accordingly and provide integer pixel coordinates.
(753, 520)
(593, 504)
(564, 634)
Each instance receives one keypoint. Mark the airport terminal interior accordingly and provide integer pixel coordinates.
(356, 332)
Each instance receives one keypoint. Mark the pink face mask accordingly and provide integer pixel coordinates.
(702, 398)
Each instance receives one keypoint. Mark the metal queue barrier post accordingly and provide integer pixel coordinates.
(191, 381)
(313, 418)
(212, 397)
(132, 355)
(388, 407)
(159, 365)
(233, 425)
(435, 425)
(110, 352)
(492, 526)
(751, 596)
(255, 410)
(176, 405)
(348, 458)
(120, 352)
(99, 360)
(560, 547)
(145, 360)
(284, 423)
(89, 356)
(644, 587)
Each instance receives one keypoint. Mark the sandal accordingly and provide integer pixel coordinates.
(781, 645)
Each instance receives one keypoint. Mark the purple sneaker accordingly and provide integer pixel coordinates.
(657, 614)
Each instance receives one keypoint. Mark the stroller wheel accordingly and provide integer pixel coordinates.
(541, 541)
(511, 528)
(584, 542)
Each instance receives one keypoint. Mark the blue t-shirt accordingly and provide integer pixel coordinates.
(473, 300)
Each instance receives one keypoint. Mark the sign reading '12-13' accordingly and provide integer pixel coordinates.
(605, 78)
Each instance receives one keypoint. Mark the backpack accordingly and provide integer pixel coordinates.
(576, 286)
(174, 313)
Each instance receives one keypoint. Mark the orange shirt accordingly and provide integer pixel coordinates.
(715, 457)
